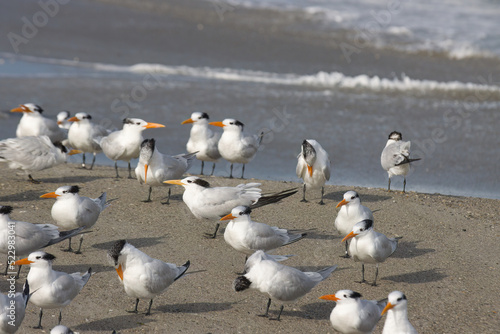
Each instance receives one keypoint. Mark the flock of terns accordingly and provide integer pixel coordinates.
(41, 143)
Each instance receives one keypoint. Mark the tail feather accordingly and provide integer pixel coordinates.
(26, 293)
(269, 199)
(407, 161)
(185, 266)
(295, 238)
(63, 235)
(327, 271)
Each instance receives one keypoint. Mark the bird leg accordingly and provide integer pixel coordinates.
(279, 315)
(32, 180)
(7, 267)
(376, 275)
(322, 193)
(244, 268)
(93, 161)
(116, 169)
(346, 255)
(243, 171)
(69, 247)
(213, 168)
(129, 171)
(149, 196)
(83, 160)
(212, 235)
(362, 274)
(231, 172)
(202, 165)
(39, 320)
(304, 194)
(18, 272)
(136, 304)
(168, 197)
(404, 184)
(267, 310)
(389, 185)
(80, 246)
(60, 317)
(149, 309)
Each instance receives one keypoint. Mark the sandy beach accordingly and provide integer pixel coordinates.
(446, 263)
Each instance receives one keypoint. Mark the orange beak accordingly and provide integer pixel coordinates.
(59, 122)
(387, 308)
(22, 262)
(50, 195)
(349, 236)
(153, 126)
(145, 173)
(119, 271)
(73, 152)
(177, 182)
(228, 217)
(73, 119)
(21, 108)
(217, 124)
(329, 297)
(343, 202)
(187, 121)
(310, 170)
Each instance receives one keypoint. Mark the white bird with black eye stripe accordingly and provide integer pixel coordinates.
(142, 276)
(125, 144)
(73, 211)
(234, 146)
(395, 158)
(369, 246)
(397, 315)
(202, 140)
(34, 124)
(49, 288)
(313, 166)
(351, 212)
(13, 309)
(353, 315)
(280, 282)
(213, 203)
(83, 133)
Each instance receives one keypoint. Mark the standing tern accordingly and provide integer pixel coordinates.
(207, 202)
(353, 315)
(397, 315)
(125, 144)
(280, 282)
(33, 154)
(395, 158)
(142, 276)
(50, 288)
(234, 146)
(62, 119)
(313, 166)
(351, 212)
(368, 246)
(202, 140)
(154, 168)
(13, 309)
(83, 133)
(28, 237)
(73, 211)
(34, 124)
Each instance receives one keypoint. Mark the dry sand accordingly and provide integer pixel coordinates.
(447, 263)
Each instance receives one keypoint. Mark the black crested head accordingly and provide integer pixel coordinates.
(394, 135)
(239, 124)
(74, 189)
(246, 211)
(202, 183)
(48, 257)
(309, 152)
(115, 251)
(204, 115)
(404, 296)
(149, 143)
(5, 210)
(38, 108)
(241, 283)
(87, 117)
(128, 121)
(355, 294)
(61, 147)
(368, 223)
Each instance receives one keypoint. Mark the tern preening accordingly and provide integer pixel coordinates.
(351, 212)
(353, 315)
(395, 158)
(49, 288)
(125, 144)
(62, 119)
(280, 282)
(34, 124)
(82, 135)
(234, 146)
(207, 202)
(73, 211)
(397, 315)
(154, 167)
(13, 309)
(313, 166)
(143, 277)
(33, 154)
(202, 140)
(28, 237)
(369, 246)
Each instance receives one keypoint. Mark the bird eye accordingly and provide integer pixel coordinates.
(138, 123)
(65, 191)
(241, 213)
(189, 181)
(399, 299)
(231, 123)
(362, 229)
(353, 197)
(38, 257)
(345, 296)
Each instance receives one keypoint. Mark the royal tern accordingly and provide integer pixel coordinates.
(33, 154)
(27, 237)
(202, 140)
(34, 124)
(234, 146)
(142, 276)
(351, 212)
(313, 166)
(62, 119)
(153, 167)
(83, 133)
(60, 329)
(397, 315)
(50, 288)
(247, 236)
(395, 158)
(369, 246)
(207, 202)
(73, 211)
(280, 282)
(353, 315)
(125, 144)
(13, 309)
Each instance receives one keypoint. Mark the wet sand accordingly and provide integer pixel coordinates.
(446, 263)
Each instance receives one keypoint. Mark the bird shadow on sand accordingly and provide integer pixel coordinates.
(28, 195)
(194, 307)
(318, 311)
(318, 268)
(338, 196)
(82, 268)
(423, 276)
(136, 242)
(121, 322)
(71, 179)
(408, 249)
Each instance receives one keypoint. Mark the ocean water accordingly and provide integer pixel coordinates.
(424, 74)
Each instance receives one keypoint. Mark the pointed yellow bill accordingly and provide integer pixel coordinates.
(119, 271)
(217, 124)
(177, 182)
(21, 262)
(50, 195)
(387, 308)
(343, 202)
(187, 121)
(153, 125)
(329, 297)
(228, 217)
(349, 236)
